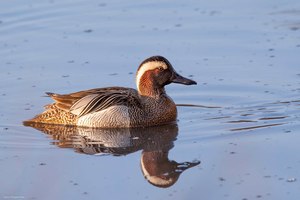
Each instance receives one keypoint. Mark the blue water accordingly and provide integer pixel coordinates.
(243, 54)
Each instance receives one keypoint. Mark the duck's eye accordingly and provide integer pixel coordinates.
(161, 68)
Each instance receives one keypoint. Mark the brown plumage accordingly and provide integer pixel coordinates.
(115, 107)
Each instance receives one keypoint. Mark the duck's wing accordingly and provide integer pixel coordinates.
(94, 100)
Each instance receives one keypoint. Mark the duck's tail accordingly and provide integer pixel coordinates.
(53, 115)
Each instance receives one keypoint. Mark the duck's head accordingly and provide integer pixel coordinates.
(156, 72)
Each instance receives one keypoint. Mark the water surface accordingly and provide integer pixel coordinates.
(242, 143)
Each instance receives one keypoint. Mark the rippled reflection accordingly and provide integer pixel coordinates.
(155, 143)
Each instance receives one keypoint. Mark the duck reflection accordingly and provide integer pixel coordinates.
(155, 143)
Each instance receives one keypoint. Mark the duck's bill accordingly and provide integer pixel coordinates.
(182, 80)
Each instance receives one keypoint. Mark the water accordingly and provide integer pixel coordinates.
(243, 142)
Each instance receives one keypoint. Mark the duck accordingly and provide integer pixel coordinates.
(119, 107)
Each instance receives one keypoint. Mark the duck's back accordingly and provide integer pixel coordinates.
(114, 107)
(93, 108)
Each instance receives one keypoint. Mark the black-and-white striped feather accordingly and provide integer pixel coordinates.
(97, 102)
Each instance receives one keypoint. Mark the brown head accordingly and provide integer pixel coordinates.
(156, 72)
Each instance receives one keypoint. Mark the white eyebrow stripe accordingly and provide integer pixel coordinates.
(154, 179)
(146, 67)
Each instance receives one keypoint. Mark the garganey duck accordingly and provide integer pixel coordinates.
(117, 107)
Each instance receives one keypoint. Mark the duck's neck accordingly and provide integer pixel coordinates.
(151, 91)
(148, 87)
